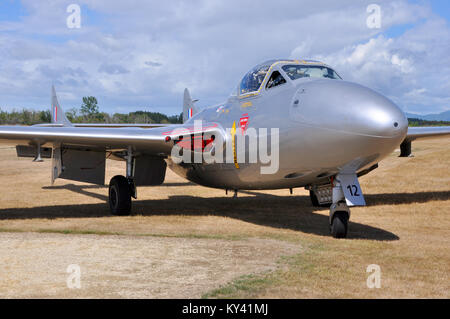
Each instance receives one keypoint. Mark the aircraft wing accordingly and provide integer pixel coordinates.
(421, 133)
(79, 153)
(427, 132)
(108, 125)
(150, 140)
(153, 141)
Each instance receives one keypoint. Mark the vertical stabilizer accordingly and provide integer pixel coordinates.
(188, 106)
(58, 115)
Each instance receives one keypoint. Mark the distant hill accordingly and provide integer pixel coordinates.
(444, 116)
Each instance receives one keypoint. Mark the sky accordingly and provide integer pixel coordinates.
(140, 55)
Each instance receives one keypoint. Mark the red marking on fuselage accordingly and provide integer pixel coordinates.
(243, 122)
(195, 143)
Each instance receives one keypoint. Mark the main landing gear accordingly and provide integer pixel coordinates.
(122, 188)
(119, 196)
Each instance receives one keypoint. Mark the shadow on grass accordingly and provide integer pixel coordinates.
(405, 198)
(284, 212)
(83, 189)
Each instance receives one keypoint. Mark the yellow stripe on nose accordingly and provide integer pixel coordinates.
(233, 143)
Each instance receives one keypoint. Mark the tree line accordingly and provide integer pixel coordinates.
(88, 113)
(419, 122)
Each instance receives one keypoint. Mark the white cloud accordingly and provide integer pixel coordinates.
(141, 54)
(412, 69)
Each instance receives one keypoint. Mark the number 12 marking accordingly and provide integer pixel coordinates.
(353, 189)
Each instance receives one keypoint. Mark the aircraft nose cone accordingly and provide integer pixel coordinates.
(380, 117)
(348, 107)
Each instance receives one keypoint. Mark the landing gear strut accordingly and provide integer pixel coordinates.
(122, 188)
(339, 213)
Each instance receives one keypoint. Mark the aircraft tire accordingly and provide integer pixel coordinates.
(339, 225)
(119, 196)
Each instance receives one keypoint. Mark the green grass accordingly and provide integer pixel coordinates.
(248, 284)
(289, 267)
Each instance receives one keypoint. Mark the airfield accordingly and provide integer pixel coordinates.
(188, 241)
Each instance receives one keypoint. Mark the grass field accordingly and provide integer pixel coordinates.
(185, 240)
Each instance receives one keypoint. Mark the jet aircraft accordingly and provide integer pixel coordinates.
(329, 132)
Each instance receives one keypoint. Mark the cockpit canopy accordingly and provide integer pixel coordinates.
(254, 78)
(294, 69)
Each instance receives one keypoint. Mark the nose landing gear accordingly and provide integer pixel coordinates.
(331, 195)
(339, 216)
(339, 212)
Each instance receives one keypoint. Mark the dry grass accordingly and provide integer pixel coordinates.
(405, 229)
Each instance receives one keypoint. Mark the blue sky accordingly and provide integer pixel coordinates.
(140, 55)
(11, 10)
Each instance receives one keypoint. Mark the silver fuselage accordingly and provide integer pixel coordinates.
(326, 126)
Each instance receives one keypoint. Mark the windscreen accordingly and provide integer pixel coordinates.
(314, 71)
